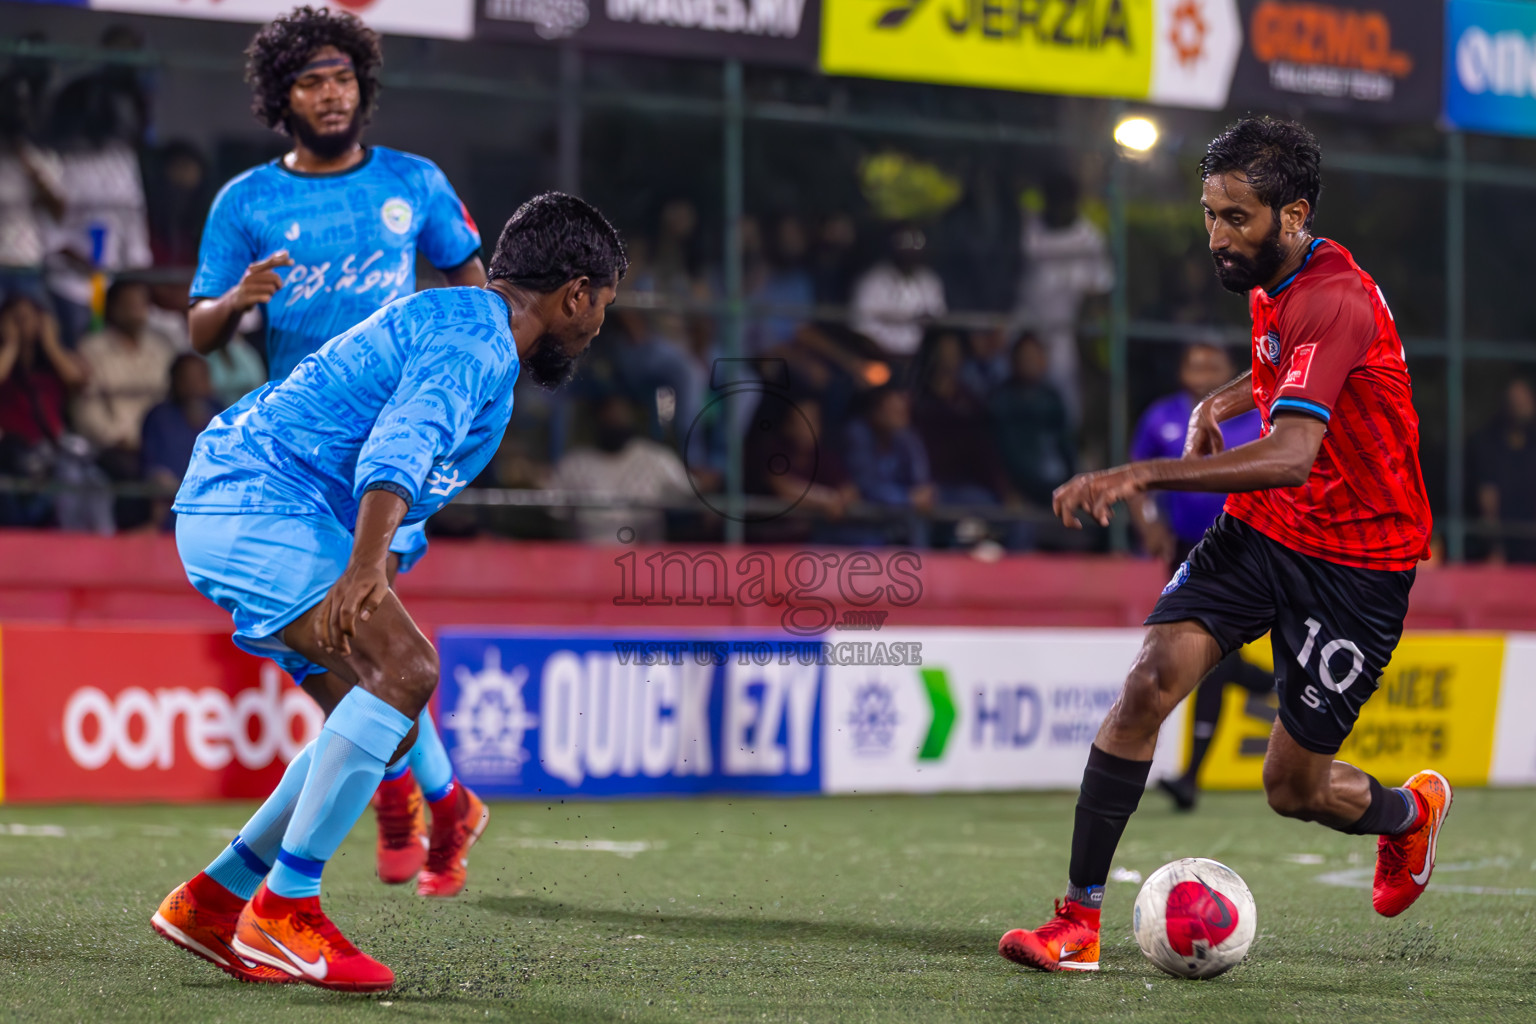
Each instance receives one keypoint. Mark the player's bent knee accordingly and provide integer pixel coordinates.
(1145, 701)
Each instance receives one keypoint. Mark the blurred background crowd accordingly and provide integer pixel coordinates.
(923, 330)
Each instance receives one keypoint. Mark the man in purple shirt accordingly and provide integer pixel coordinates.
(1172, 522)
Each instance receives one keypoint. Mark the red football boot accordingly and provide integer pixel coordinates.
(199, 916)
(458, 819)
(295, 936)
(1067, 942)
(1404, 861)
(402, 848)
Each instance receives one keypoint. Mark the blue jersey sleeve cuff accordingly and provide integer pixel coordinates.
(1301, 405)
(393, 488)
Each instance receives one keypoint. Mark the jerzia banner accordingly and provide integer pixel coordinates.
(1378, 59)
(760, 31)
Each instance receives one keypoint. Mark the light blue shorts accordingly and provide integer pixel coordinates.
(410, 544)
(266, 570)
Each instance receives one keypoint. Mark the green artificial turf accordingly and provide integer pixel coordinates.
(833, 909)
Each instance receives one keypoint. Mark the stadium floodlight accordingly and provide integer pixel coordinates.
(1136, 134)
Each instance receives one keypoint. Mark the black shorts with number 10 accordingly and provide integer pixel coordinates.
(1333, 627)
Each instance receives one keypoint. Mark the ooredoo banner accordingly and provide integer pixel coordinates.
(1490, 66)
(1361, 58)
(144, 714)
(448, 19)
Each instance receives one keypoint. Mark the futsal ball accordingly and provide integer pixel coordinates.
(1194, 918)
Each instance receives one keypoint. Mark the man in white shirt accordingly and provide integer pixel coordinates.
(895, 298)
(1065, 260)
(622, 466)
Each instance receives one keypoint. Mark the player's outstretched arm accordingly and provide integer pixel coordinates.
(212, 322)
(1231, 399)
(1282, 458)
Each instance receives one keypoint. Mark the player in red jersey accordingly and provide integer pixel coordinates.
(1317, 547)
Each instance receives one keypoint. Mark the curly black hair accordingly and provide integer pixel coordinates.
(554, 238)
(1280, 160)
(282, 48)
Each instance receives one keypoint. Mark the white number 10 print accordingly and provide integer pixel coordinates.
(1331, 648)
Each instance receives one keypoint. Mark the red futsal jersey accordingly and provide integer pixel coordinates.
(1324, 345)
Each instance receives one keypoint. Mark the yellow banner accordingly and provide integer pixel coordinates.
(1435, 708)
(1079, 47)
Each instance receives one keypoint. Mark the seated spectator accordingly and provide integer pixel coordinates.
(952, 422)
(1029, 420)
(37, 376)
(1502, 467)
(896, 297)
(129, 371)
(622, 467)
(786, 458)
(888, 461)
(171, 429)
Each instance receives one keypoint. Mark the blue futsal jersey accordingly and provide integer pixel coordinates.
(415, 399)
(353, 237)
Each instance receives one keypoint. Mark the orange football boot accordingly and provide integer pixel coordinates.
(1067, 942)
(402, 848)
(295, 936)
(458, 819)
(1404, 861)
(199, 916)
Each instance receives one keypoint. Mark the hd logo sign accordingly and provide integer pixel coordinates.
(1179, 52)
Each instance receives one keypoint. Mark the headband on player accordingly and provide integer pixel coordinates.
(321, 64)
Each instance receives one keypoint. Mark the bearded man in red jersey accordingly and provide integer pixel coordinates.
(1326, 520)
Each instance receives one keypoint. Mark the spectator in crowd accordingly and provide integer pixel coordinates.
(1502, 467)
(31, 188)
(178, 197)
(236, 370)
(622, 467)
(831, 264)
(171, 429)
(1065, 261)
(104, 228)
(677, 265)
(786, 281)
(117, 89)
(787, 458)
(1029, 420)
(952, 422)
(128, 364)
(988, 361)
(888, 461)
(896, 297)
(37, 376)
(1170, 523)
(657, 370)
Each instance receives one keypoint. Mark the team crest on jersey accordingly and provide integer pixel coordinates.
(397, 215)
(1272, 347)
(292, 234)
(1179, 579)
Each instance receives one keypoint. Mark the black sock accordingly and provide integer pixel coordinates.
(1207, 714)
(1392, 812)
(1112, 787)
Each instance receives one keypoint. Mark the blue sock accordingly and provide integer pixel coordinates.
(349, 759)
(429, 761)
(245, 862)
(398, 769)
